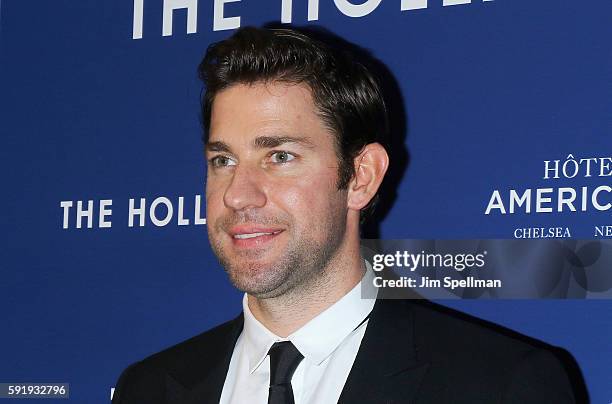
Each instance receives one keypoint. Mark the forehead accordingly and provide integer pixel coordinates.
(245, 111)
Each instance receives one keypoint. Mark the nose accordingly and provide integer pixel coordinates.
(245, 190)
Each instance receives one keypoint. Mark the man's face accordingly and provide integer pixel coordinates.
(275, 214)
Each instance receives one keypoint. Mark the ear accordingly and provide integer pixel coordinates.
(370, 168)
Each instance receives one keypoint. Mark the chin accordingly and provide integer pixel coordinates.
(254, 276)
(257, 287)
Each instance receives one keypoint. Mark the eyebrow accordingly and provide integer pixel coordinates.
(262, 142)
(268, 142)
(218, 147)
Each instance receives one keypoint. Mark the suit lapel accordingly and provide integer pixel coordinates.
(209, 384)
(388, 367)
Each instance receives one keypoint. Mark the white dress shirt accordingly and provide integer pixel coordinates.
(329, 343)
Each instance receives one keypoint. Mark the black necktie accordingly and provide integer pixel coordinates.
(284, 359)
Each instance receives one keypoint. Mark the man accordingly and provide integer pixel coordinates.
(293, 162)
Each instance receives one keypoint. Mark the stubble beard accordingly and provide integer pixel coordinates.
(301, 269)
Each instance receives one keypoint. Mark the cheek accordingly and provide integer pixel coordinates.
(214, 201)
(308, 199)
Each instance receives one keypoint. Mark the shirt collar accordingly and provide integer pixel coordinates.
(318, 338)
(257, 338)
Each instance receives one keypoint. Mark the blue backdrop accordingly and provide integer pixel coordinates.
(97, 104)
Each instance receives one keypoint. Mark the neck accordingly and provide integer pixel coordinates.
(285, 314)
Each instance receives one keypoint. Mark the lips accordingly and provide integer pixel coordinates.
(245, 236)
(252, 236)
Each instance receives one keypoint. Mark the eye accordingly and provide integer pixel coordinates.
(221, 161)
(281, 157)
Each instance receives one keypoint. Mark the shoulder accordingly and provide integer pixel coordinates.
(453, 332)
(200, 347)
(479, 356)
(177, 367)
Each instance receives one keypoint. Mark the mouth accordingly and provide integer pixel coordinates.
(245, 236)
(253, 237)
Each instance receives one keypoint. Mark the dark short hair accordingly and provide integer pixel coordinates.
(345, 93)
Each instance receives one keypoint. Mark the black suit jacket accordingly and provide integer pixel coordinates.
(412, 352)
